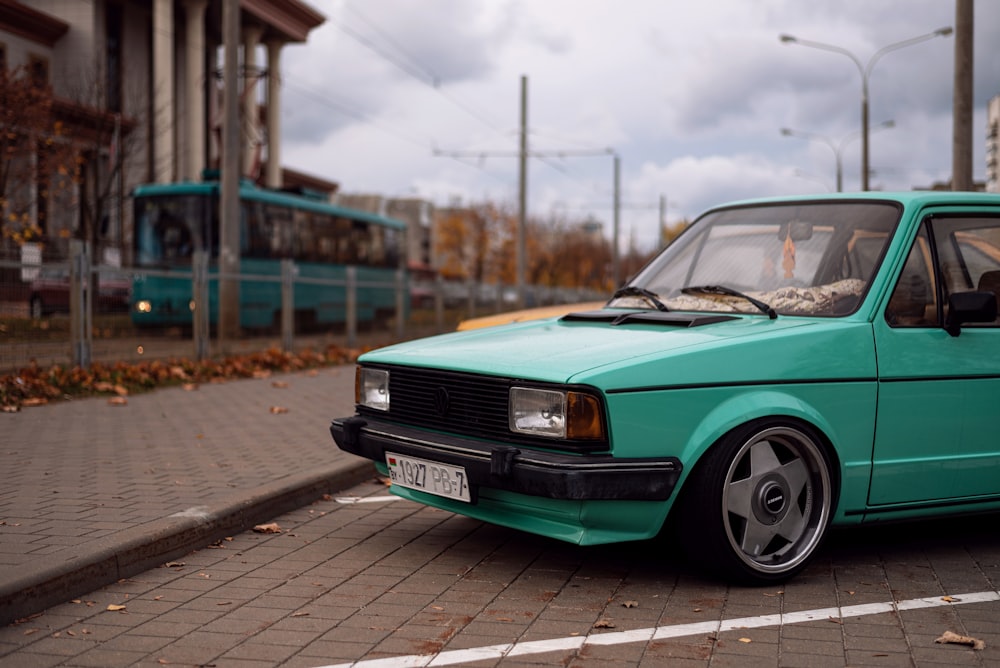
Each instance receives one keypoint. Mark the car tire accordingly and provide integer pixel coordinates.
(757, 507)
(36, 308)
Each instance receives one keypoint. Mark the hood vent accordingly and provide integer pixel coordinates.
(669, 319)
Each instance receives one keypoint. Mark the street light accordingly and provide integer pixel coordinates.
(837, 148)
(865, 71)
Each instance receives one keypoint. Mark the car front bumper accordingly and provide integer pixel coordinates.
(504, 467)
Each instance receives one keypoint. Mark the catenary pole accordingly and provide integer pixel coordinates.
(229, 202)
(961, 169)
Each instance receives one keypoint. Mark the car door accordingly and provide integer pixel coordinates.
(939, 395)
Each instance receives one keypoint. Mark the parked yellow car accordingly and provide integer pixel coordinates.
(524, 315)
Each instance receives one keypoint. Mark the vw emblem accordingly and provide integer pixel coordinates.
(441, 401)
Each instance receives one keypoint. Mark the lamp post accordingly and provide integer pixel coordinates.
(865, 69)
(837, 148)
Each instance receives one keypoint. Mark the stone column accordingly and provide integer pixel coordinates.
(195, 88)
(274, 114)
(164, 169)
(251, 112)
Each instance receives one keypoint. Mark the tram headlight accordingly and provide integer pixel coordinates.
(144, 306)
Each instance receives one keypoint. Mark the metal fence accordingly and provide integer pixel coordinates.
(76, 312)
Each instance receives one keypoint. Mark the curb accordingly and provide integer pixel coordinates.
(56, 579)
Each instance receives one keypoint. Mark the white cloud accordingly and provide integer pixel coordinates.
(691, 96)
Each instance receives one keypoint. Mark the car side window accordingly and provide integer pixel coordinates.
(912, 303)
(967, 254)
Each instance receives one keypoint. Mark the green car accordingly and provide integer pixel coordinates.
(786, 365)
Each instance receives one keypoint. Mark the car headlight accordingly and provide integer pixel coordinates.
(371, 388)
(144, 306)
(555, 413)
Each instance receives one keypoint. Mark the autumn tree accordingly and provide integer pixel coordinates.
(467, 240)
(480, 242)
(33, 147)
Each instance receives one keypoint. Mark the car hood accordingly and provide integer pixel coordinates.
(651, 349)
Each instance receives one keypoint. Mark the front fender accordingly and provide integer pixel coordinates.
(692, 420)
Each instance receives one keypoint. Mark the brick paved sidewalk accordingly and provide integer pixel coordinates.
(94, 492)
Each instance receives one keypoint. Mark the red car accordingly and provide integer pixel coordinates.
(51, 287)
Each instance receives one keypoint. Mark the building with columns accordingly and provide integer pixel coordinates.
(136, 91)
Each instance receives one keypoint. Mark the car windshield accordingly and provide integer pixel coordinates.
(812, 258)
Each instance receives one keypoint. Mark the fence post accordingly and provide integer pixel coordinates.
(471, 290)
(80, 301)
(288, 271)
(439, 303)
(201, 327)
(351, 287)
(401, 294)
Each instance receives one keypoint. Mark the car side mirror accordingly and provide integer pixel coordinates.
(966, 307)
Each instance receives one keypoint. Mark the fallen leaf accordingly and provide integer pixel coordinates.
(603, 624)
(268, 528)
(955, 639)
(9, 408)
(115, 608)
(300, 614)
(950, 599)
(261, 373)
(118, 401)
(745, 640)
(190, 387)
(35, 401)
(277, 410)
(630, 604)
(173, 564)
(279, 384)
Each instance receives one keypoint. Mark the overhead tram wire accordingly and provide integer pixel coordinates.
(409, 65)
(353, 113)
(356, 114)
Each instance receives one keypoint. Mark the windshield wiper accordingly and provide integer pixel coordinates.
(636, 291)
(723, 290)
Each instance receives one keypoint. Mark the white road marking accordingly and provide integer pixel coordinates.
(366, 499)
(458, 656)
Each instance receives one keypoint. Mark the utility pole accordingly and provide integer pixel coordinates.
(961, 152)
(229, 200)
(522, 196)
(615, 250)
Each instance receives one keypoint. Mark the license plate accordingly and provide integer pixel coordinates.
(430, 477)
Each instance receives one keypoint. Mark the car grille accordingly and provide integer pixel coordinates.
(459, 403)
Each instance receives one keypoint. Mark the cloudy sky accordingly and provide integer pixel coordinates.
(690, 95)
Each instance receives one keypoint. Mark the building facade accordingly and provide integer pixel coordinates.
(135, 97)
